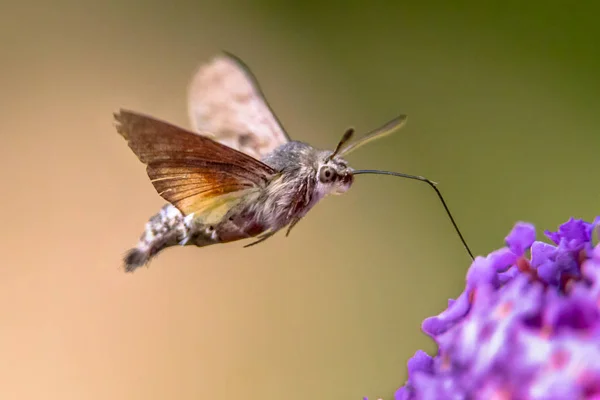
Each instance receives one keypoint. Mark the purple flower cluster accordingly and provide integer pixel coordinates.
(527, 325)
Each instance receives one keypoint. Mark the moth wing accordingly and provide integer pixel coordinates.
(192, 172)
(224, 98)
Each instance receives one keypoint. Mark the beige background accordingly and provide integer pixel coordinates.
(503, 112)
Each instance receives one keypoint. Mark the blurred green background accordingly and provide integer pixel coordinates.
(503, 106)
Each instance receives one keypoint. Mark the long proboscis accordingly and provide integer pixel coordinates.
(378, 133)
(430, 183)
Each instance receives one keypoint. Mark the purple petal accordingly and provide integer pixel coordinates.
(576, 312)
(420, 362)
(542, 252)
(436, 325)
(520, 238)
(402, 394)
(502, 259)
(574, 232)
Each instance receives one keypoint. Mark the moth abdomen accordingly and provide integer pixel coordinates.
(134, 258)
(165, 229)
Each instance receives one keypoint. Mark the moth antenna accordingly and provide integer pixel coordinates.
(378, 133)
(430, 183)
(345, 138)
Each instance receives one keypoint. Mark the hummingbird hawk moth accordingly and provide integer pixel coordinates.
(237, 174)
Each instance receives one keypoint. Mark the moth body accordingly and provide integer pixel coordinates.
(304, 176)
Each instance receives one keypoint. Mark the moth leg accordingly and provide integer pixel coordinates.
(292, 225)
(261, 238)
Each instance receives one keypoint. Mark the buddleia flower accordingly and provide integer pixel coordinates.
(527, 325)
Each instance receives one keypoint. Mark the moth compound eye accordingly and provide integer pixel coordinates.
(326, 174)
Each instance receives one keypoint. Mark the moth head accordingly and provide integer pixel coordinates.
(334, 175)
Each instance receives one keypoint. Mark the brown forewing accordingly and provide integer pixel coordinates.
(186, 169)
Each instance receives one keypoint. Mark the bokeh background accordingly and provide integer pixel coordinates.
(503, 106)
